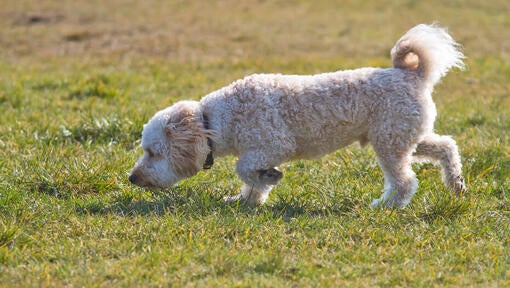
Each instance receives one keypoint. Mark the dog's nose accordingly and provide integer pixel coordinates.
(132, 178)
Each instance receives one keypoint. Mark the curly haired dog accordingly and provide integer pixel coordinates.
(268, 119)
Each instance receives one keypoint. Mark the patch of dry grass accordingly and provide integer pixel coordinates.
(205, 30)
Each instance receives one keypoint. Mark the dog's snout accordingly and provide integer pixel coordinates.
(132, 178)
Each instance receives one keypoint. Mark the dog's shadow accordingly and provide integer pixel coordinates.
(291, 207)
(158, 203)
(186, 200)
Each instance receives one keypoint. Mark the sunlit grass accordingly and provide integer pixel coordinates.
(70, 129)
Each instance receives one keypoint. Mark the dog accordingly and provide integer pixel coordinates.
(269, 119)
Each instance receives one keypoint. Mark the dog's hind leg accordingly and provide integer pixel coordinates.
(400, 181)
(443, 149)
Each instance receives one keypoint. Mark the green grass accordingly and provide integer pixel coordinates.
(78, 80)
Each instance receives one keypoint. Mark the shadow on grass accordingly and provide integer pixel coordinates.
(444, 207)
(292, 207)
(184, 201)
(132, 204)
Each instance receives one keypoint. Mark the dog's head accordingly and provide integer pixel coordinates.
(175, 146)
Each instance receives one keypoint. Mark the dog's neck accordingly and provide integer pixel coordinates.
(209, 161)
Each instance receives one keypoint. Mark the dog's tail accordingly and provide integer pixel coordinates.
(429, 50)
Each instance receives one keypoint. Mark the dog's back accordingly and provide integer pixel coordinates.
(317, 114)
(311, 115)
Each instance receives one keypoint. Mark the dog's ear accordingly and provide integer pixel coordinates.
(170, 128)
(181, 122)
(180, 128)
(182, 134)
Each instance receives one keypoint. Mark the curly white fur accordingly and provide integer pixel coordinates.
(268, 119)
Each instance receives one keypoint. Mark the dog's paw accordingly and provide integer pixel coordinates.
(376, 204)
(459, 185)
(270, 176)
(386, 204)
(252, 203)
(232, 199)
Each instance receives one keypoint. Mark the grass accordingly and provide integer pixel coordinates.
(78, 79)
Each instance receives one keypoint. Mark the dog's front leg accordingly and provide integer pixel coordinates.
(270, 176)
(255, 196)
(259, 177)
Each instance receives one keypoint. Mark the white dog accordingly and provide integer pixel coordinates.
(268, 119)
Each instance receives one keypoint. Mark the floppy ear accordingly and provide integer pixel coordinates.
(179, 120)
(186, 123)
(170, 128)
(182, 131)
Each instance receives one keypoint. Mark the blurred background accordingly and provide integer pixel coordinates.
(228, 29)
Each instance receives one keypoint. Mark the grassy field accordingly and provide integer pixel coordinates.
(78, 79)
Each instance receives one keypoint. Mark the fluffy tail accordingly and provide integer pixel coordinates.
(429, 50)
